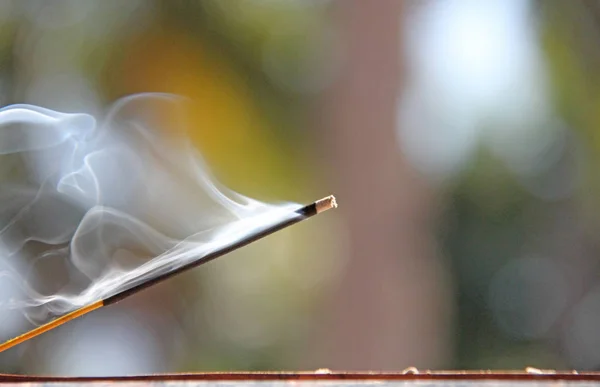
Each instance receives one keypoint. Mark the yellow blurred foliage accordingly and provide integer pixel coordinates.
(576, 92)
(224, 121)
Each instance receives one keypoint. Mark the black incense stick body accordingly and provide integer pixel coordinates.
(299, 215)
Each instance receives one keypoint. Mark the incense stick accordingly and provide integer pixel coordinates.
(299, 215)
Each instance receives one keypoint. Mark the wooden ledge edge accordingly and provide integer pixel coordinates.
(407, 375)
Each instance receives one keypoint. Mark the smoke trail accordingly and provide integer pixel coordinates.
(112, 203)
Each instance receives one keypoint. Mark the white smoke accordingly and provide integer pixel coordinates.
(109, 204)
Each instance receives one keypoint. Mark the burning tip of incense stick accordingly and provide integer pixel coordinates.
(326, 203)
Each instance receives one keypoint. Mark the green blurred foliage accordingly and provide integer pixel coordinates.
(252, 71)
(252, 129)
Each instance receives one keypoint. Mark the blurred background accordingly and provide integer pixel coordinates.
(461, 138)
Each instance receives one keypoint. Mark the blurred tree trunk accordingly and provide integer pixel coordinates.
(391, 307)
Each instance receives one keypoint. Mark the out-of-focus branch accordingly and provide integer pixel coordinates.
(390, 310)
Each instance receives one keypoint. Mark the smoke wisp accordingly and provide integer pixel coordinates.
(109, 204)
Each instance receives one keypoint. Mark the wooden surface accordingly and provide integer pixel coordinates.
(526, 379)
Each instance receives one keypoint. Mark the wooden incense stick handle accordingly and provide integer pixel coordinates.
(51, 325)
